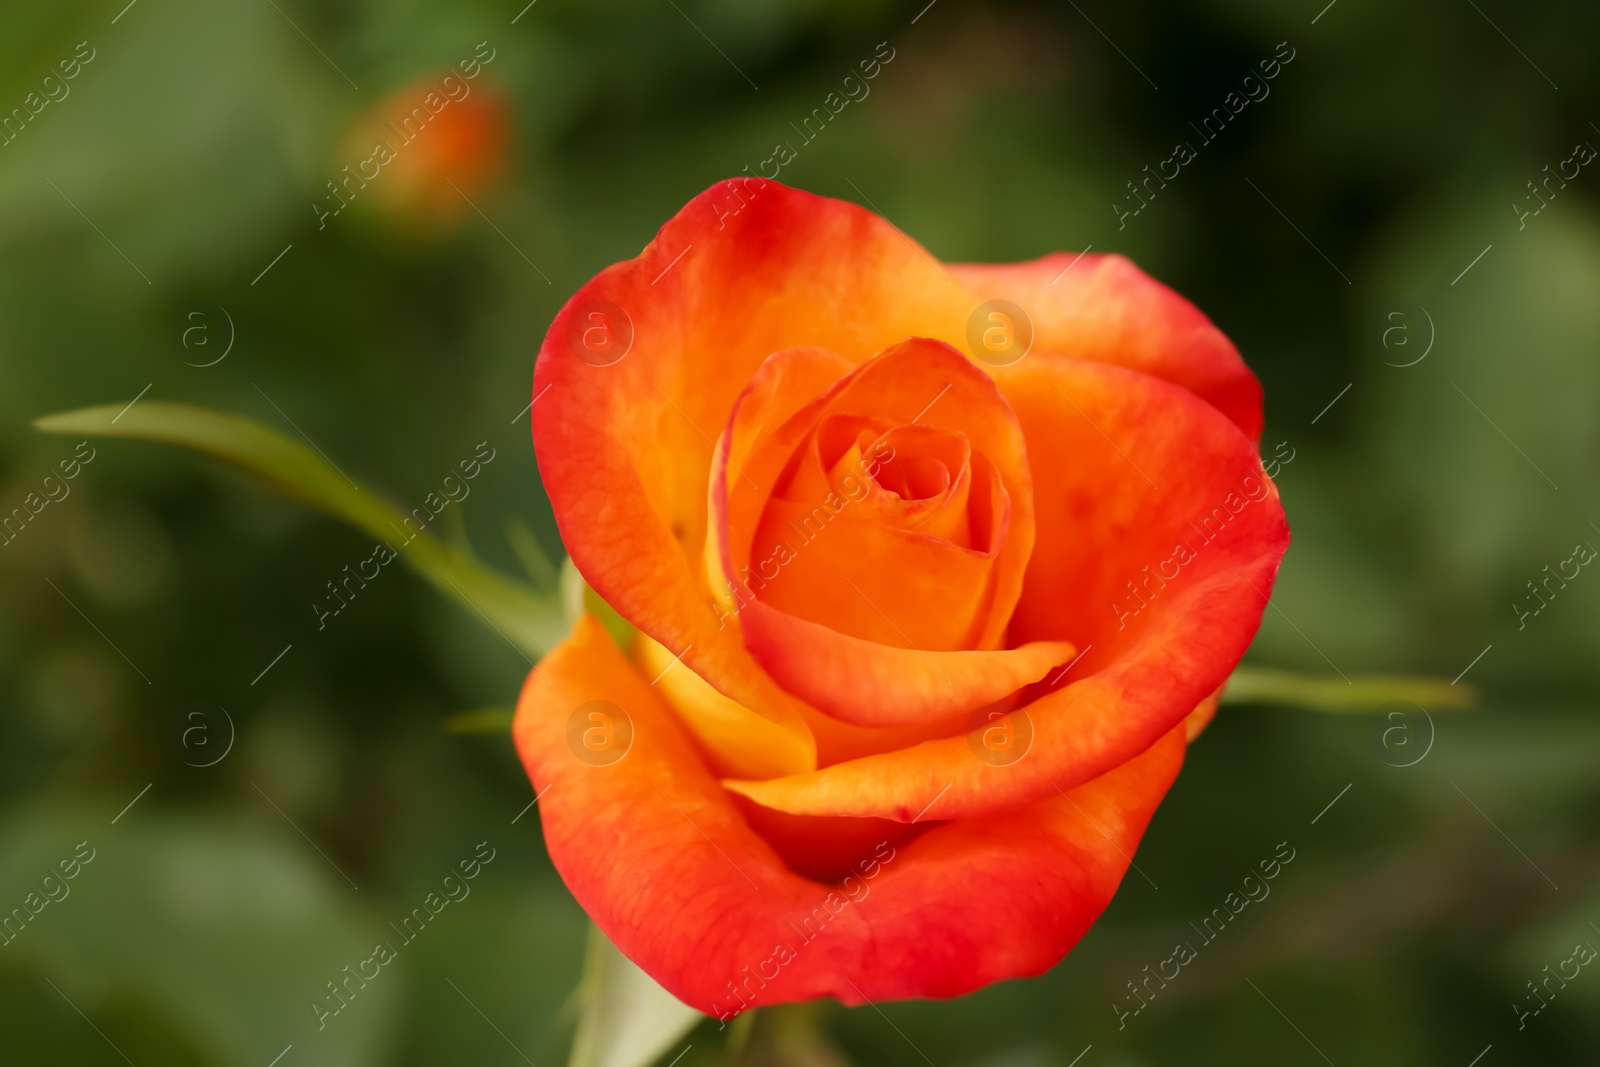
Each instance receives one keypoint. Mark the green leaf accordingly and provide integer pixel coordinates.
(1257, 685)
(627, 1019)
(530, 621)
(228, 928)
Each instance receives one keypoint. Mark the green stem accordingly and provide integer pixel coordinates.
(1364, 693)
(529, 620)
(482, 721)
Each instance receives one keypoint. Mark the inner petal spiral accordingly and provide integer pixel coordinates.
(874, 532)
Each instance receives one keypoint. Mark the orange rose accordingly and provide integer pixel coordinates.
(918, 633)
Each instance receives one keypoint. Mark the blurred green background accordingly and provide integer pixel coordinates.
(1391, 151)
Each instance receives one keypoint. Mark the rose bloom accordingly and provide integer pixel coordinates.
(929, 594)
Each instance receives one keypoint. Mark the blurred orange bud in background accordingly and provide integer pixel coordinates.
(423, 151)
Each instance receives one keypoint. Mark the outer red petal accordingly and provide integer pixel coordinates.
(1095, 434)
(659, 855)
(1106, 309)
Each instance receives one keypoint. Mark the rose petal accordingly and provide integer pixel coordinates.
(871, 684)
(855, 576)
(663, 861)
(1097, 433)
(893, 680)
(1104, 308)
(625, 448)
(734, 739)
